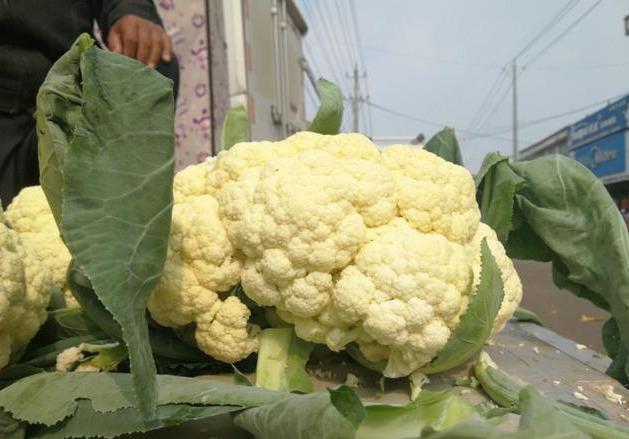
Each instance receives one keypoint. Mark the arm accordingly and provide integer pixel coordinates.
(109, 11)
(133, 28)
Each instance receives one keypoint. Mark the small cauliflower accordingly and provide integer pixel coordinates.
(24, 294)
(68, 359)
(30, 216)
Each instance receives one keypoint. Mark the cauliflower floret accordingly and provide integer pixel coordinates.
(30, 216)
(200, 263)
(24, 294)
(410, 285)
(343, 145)
(193, 181)
(296, 235)
(224, 333)
(231, 164)
(434, 196)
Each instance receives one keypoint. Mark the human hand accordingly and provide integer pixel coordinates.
(140, 39)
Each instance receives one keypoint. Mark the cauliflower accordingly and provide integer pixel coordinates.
(201, 263)
(347, 243)
(68, 359)
(351, 244)
(433, 195)
(30, 216)
(24, 294)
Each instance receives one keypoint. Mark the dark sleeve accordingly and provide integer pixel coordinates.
(171, 71)
(108, 11)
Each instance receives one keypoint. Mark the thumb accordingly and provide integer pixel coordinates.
(114, 41)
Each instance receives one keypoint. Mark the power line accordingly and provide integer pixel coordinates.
(563, 34)
(332, 66)
(350, 37)
(338, 27)
(404, 115)
(451, 62)
(582, 67)
(488, 100)
(346, 31)
(327, 31)
(479, 120)
(358, 39)
(361, 58)
(495, 108)
(541, 120)
(420, 120)
(351, 43)
(553, 21)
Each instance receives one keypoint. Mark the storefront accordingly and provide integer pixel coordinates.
(600, 141)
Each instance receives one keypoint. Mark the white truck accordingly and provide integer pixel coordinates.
(266, 64)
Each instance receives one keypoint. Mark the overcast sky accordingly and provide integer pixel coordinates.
(438, 60)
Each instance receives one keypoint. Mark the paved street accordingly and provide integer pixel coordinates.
(560, 310)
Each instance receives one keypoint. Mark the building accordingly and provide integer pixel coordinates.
(600, 142)
(556, 143)
(266, 64)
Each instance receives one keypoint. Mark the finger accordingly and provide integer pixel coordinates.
(167, 53)
(130, 41)
(114, 41)
(144, 44)
(157, 47)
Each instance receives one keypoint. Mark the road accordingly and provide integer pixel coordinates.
(560, 310)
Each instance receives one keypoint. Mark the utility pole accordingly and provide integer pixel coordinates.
(514, 73)
(356, 98)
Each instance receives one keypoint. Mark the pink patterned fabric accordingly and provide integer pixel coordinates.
(186, 23)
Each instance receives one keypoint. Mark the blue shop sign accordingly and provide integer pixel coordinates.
(604, 157)
(609, 120)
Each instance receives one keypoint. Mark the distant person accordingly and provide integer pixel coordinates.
(33, 35)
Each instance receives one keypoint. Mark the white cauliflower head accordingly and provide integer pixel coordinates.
(351, 244)
(348, 243)
(24, 294)
(30, 216)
